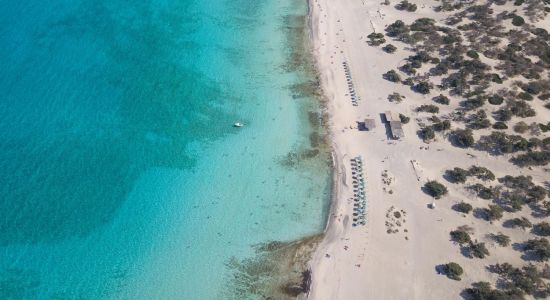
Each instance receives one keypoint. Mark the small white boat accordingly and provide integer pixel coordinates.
(238, 124)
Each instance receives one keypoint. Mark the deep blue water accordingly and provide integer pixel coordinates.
(120, 173)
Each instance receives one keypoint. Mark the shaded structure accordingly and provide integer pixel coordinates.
(368, 124)
(396, 128)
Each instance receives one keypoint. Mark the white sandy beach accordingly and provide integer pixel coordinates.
(366, 262)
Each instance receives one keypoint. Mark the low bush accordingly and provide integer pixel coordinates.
(460, 236)
(422, 87)
(518, 21)
(522, 222)
(542, 229)
(395, 97)
(406, 5)
(404, 119)
(430, 108)
(376, 39)
(397, 29)
(463, 138)
(453, 271)
(473, 103)
(535, 158)
(427, 133)
(482, 191)
(525, 96)
(495, 99)
(463, 207)
(392, 76)
(481, 173)
(520, 109)
(501, 239)
(472, 54)
(500, 126)
(389, 48)
(538, 248)
(435, 189)
(496, 78)
(544, 127)
(441, 99)
(521, 127)
(457, 175)
(479, 250)
(442, 126)
(493, 212)
(483, 291)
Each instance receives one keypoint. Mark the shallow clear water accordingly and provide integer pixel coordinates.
(120, 173)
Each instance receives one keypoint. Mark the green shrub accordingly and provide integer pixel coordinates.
(500, 125)
(376, 39)
(517, 182)
(427, 133)
(486, 193)
(406, 5)
(472, 54)
(395, 97)
(473, 103)
(423, 24)
(479, 250)
(404, 119)
(442, 99)
(481, 173)
(442, 126)
(539, 248)
(422, 87)
(535, 158)
(463, 207)
(520, 109)
(494, 212)
(533, 87)
(482, 191)
(521, 127)
(542, 228)
(463, 138)
(501, 239)
(457, 175)
(522, 222)
(518, 21)
(453, 270)
(389, 48)
(536, 194)
(430, 108)
(482, 291)
(435, 189)
(495, 99)
(460, 236)
(496, 78)
(504, 114)
(525, 96)
(392, 76)
(397, 29)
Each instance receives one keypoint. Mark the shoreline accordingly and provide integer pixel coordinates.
(330, 231)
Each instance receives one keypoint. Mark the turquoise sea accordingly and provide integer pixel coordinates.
(121, 176)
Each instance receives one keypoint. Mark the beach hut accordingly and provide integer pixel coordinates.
(369, 124)
(391, 116)
(396, 129)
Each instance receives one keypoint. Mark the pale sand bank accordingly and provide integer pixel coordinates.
(366, 262)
